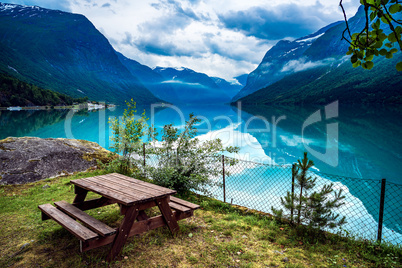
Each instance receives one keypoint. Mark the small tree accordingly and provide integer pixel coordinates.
(128, 133)
(314, 209)
(186, 163)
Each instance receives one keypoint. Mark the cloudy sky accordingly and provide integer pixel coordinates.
(224, 38)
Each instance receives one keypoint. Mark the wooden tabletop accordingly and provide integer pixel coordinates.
(124, 190)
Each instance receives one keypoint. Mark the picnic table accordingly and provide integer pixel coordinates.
(133, 197)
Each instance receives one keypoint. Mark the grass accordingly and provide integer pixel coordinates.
(219, 235)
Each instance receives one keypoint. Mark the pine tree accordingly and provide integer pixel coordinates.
(313, 208)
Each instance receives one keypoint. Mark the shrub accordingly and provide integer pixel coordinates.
(312, 208)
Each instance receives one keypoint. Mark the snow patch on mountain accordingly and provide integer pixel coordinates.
(310, 39)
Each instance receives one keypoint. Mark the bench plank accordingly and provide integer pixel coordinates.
(179, 207)
(92, 223)
(71, 225)
(184, 203)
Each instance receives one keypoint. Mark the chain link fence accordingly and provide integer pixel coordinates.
(373, 208)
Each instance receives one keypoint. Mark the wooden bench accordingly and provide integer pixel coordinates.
(93, 233)
(81, 232)
(182, 205)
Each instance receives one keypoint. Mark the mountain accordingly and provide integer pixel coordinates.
(188, 86)
(66, 53)
(314, 69)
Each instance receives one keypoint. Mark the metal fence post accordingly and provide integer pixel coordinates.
(293, 192)
(381, 214)
(143, 152)
(224, 182)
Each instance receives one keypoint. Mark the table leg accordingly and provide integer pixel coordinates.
(168, 215)
(142, 216)
(81, 194)
(124, 230)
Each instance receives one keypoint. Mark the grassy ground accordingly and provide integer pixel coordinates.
(219, 235)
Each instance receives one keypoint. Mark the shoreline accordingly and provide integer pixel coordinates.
(77, 106)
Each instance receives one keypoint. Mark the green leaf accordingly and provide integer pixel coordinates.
(389, 55)
(356, 64)
(353, 59)
(378, 44)
(394, 50)
(373, 15)
(392, 38)
(399, 66)
(368, 65)
(388, 45)
(383, 19)
(369, 58)
(383, 52)
(394, 8)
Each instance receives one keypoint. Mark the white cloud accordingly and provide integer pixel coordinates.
(302, 64)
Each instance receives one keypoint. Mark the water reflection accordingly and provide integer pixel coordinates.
(369, 143)
(20, 123)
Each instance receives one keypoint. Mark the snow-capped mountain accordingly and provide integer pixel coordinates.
(274, 64)
(315, 69)
(66, 53)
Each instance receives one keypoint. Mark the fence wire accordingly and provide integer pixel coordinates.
(261, 186)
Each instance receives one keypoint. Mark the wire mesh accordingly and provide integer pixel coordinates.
(261, 186)
(392, 231)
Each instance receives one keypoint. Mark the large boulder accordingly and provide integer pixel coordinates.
(30, 159)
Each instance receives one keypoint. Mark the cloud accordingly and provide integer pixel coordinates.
(302, 64)
(282, 21)
(182, 83)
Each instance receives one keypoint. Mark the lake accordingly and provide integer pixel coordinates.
(348, 141)
(365, 139)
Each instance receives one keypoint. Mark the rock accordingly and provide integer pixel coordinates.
(30, 159)
(277, 252)
(45, 186)
(286, 259)
(244, 236)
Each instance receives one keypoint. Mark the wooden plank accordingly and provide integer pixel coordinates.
(179, 207)
(137, 228)
(123, 232)
(71, 225)
(184, 203)
(127, 187)
(92, 223)
(99, 189)
(122, 190)
(168, 215)
(147, 184)
(138, 187)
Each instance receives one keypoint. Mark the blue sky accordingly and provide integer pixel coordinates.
(222, 38)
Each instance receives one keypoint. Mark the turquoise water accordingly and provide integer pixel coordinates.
(368, 141)
(358, 142)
